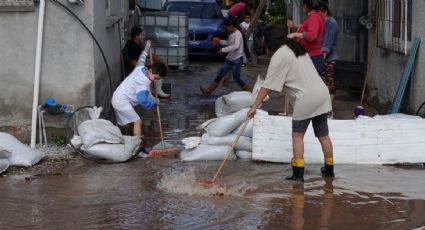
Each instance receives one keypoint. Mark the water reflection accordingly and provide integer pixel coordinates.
(297, 204)
(328, 198)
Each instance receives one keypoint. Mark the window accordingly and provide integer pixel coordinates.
(394, 25)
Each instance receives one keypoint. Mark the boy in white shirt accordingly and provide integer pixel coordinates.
(134, 90)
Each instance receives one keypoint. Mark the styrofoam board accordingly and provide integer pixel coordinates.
(369, 141)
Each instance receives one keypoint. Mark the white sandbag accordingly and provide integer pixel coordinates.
(206, 152)
(245, 155)
(244, 143)
(248, 132)
(4, 165)
(99, 131)
(4, 153)
(226, 124)
(205, 124)
(22, 155)
(94, 112)
(191, 142)
(236, 101)
(232, 102)
(76, 141)
(114, 152)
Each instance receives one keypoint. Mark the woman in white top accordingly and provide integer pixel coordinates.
(292, 70)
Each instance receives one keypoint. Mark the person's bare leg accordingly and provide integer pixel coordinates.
(327, 148)
(137, 128)
(298, 145)
(298, 157)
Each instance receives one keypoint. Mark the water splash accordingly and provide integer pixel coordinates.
(186, 183)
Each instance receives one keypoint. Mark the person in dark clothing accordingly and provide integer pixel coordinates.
(132, 50)
(131, 53)
(329, 45)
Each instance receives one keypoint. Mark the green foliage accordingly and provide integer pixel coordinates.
(276, 20)
(58, 140)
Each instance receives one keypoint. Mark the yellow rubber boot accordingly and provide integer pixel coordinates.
(297, 170)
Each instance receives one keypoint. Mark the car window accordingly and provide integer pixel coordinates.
(195, 10)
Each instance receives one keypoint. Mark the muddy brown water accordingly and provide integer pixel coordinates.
(165, 193)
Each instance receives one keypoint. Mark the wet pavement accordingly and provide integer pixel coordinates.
(165, 193)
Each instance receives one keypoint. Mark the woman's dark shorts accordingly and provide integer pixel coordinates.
(320, 125)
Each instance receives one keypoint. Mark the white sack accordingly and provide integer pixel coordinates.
(22, 155)
(114, 152)
(76, 141)
(191, 142)
(99, 131)
(244, 143)
(246, 155)
(206, 153)
(232, 102)
(236, 101)
(94, 112)
(226, 124)
(4, 154)
(4, 165)
(205, 124)
(248, 132)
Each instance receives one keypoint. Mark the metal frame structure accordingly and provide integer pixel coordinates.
(394, 25)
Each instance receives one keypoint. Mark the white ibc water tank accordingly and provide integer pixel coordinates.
(150, 4)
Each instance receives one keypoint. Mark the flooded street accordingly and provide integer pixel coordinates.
(165, 193)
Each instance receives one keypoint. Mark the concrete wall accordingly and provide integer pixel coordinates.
(73, 71)
(67, 65)
(107, 29)
(387, 69)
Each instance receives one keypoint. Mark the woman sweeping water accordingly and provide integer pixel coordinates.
(292, 70)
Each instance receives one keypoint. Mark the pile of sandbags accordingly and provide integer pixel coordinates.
(100, 140)
(220, 132)
(15, 153)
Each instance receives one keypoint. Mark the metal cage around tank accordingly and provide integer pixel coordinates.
(168, 32)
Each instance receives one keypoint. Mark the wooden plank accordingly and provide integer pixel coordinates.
(361, 141)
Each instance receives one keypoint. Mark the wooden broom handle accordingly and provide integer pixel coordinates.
(230, 149)
(156, 96)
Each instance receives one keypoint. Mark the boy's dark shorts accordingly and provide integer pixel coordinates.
(320, 125)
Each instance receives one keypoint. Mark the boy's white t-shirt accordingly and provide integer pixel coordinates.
(244, 25)
(125, 96)
(234, 46)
